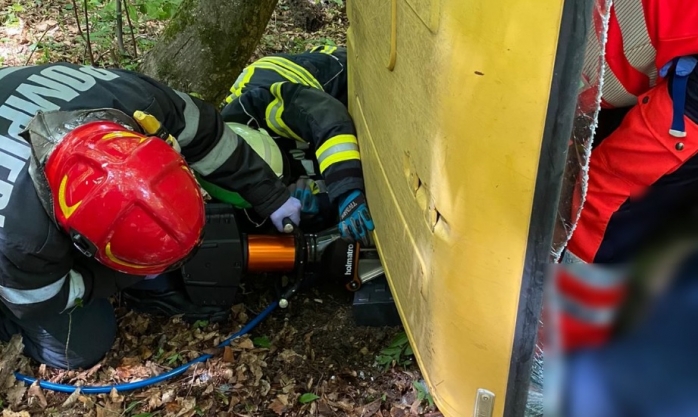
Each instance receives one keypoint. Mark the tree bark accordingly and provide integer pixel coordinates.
(207, 44)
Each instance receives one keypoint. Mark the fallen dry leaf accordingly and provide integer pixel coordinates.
(9, 358)
(245, 344)
(35, 391)
(341, 405)
(15, 394)
(371, 408)
(87, 401)
(188, 405)
(414, 409)
(324, 409)
(228, 356)
(10, 413)
(172, 407)
(278, 406)
(72, 398)
(290, 356)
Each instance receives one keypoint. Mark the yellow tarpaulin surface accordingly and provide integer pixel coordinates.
(449, 99)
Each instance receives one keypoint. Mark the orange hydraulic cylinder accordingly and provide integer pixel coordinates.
(271, 253)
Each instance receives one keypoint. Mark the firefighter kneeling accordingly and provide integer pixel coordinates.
(101, 207)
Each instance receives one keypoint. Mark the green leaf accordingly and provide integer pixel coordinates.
(262, 342)
(199, 324)
(131, 406)
(391, 351)
(308, 397)
(408, 351)
(399, 340)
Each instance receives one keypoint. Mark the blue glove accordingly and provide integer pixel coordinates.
(291, 209)
(303, 191)
(354, 219)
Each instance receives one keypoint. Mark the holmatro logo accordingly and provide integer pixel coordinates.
(349, 266)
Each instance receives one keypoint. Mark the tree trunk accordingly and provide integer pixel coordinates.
(207, 44)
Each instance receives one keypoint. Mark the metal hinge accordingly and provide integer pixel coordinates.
(484, 403)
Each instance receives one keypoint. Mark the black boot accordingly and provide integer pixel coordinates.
(171, 303)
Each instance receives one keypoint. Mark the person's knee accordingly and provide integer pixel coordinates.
(94, 335)
(82, 340)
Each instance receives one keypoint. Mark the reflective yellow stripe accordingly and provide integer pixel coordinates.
(338, 157)
(328, 49)
(241, 81)
(274, 115)
(334, 141)
(285, 68)
(299, 71)
(337, 149)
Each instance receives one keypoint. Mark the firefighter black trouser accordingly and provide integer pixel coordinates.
(91, 329)
(85, 335)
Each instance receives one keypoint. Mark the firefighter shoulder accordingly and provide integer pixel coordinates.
(322, 68)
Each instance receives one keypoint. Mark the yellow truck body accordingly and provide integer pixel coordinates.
(463, 110)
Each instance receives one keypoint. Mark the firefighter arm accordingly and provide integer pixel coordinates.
(215, 152)
(50, 279)
(307, 114)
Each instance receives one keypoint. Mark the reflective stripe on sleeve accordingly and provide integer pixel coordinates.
(191, 120)
(274, 115)
(337, 149)
(218, 155)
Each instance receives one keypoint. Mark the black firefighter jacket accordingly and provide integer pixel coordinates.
(303, 97)
(40, 271)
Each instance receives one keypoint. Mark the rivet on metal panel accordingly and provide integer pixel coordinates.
(484, 403)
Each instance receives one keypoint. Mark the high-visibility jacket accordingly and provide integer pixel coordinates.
(303, 97)
(642, 37)
(644, 40)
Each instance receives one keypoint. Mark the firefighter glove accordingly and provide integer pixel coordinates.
(355, 221)
(303, 190)
(291, 209)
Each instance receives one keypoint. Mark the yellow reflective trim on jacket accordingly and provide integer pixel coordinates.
(325, 49)
(338, 157)
(337, 149)
(288, 75)
(240, 83)
(274, 115)
(326, 149)
(298, 70)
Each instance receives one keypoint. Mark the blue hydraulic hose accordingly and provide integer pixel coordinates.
(106, 389)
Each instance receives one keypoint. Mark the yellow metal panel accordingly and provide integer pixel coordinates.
(450, 139)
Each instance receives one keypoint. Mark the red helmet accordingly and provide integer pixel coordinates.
(127, 199)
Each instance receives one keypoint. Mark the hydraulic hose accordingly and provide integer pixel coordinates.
(106, 389)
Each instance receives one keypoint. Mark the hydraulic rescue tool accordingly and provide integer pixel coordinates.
(213, 275)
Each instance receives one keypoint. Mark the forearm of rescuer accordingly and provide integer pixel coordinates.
(215, 152)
